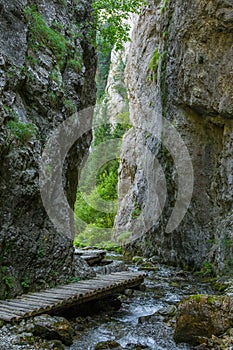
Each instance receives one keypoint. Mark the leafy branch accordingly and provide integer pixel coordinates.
(112, 20)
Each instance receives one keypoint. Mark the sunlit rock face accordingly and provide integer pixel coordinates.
(179, 76)
(47, 71)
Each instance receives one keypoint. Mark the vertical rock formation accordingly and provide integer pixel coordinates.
(47, 70)
(180, 69)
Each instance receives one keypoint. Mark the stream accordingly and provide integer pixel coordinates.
(134, 326)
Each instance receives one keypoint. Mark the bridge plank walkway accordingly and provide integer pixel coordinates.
(61, 297)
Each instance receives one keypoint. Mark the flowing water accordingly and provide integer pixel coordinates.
(132, 326)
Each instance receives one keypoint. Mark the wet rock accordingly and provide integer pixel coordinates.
(24, 339)
(83, 270)
(109, 344)
(150, 318)
(131, 346)
(138, 259)
(202, 316)
(115, 266)
(148, 266)
(168, 311)
(49, 327)
(141, 287)
(128, 292)
(154, 259)
(162, 314)
(55, 345)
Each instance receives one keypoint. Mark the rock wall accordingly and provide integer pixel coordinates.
(180, 70)
(47, 70)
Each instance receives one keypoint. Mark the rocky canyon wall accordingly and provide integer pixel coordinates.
(47, 71)
(180, 75)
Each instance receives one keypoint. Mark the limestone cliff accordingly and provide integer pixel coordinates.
(47, 70)
(180, 70)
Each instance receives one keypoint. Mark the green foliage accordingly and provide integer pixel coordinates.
(62, 2)
(70, 106)
(20, 132)
(197, 298)
(220, 286)
(42, 36)
(104, 60)
(7, 279)
(227, 242)
(124, 237)
(123, 118)
(93, 235)
(25, 283)
(75, 64)
(53, 99)
(40, 253)
(106, 188)
(73, 280)
(154, 61)
(111, 17)
(56, 76)
(206, 270)
(110, 246)
(164, 6)
(136, 211)
(119, 84)
(32, 60)
(154, 64)
(9, 111)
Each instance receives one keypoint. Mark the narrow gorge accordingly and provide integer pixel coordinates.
(154, 80)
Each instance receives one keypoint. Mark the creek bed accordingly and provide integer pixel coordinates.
(132, 326)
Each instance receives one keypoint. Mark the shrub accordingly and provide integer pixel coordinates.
(21, 132)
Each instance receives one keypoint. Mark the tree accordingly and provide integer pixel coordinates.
(111, 21)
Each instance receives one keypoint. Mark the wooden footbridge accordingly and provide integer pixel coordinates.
(55, 299)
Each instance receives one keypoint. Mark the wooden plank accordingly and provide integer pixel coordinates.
(14, 312)
(61, 293)
(18, 305)
(34, 302)
(6, 317)
(81, 291)
(39, 300)
(82, 286)
(47, 301)
(44, 295)
(29, 305)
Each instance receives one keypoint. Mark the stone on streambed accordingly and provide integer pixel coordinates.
(109, 344)
(48, 327)
(138, 259)
(166, 312)
(201, 316)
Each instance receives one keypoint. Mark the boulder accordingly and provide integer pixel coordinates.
(106, 345)
(202, 316)
(48, 327)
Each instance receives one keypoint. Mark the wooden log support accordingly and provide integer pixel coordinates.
(53, 299)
